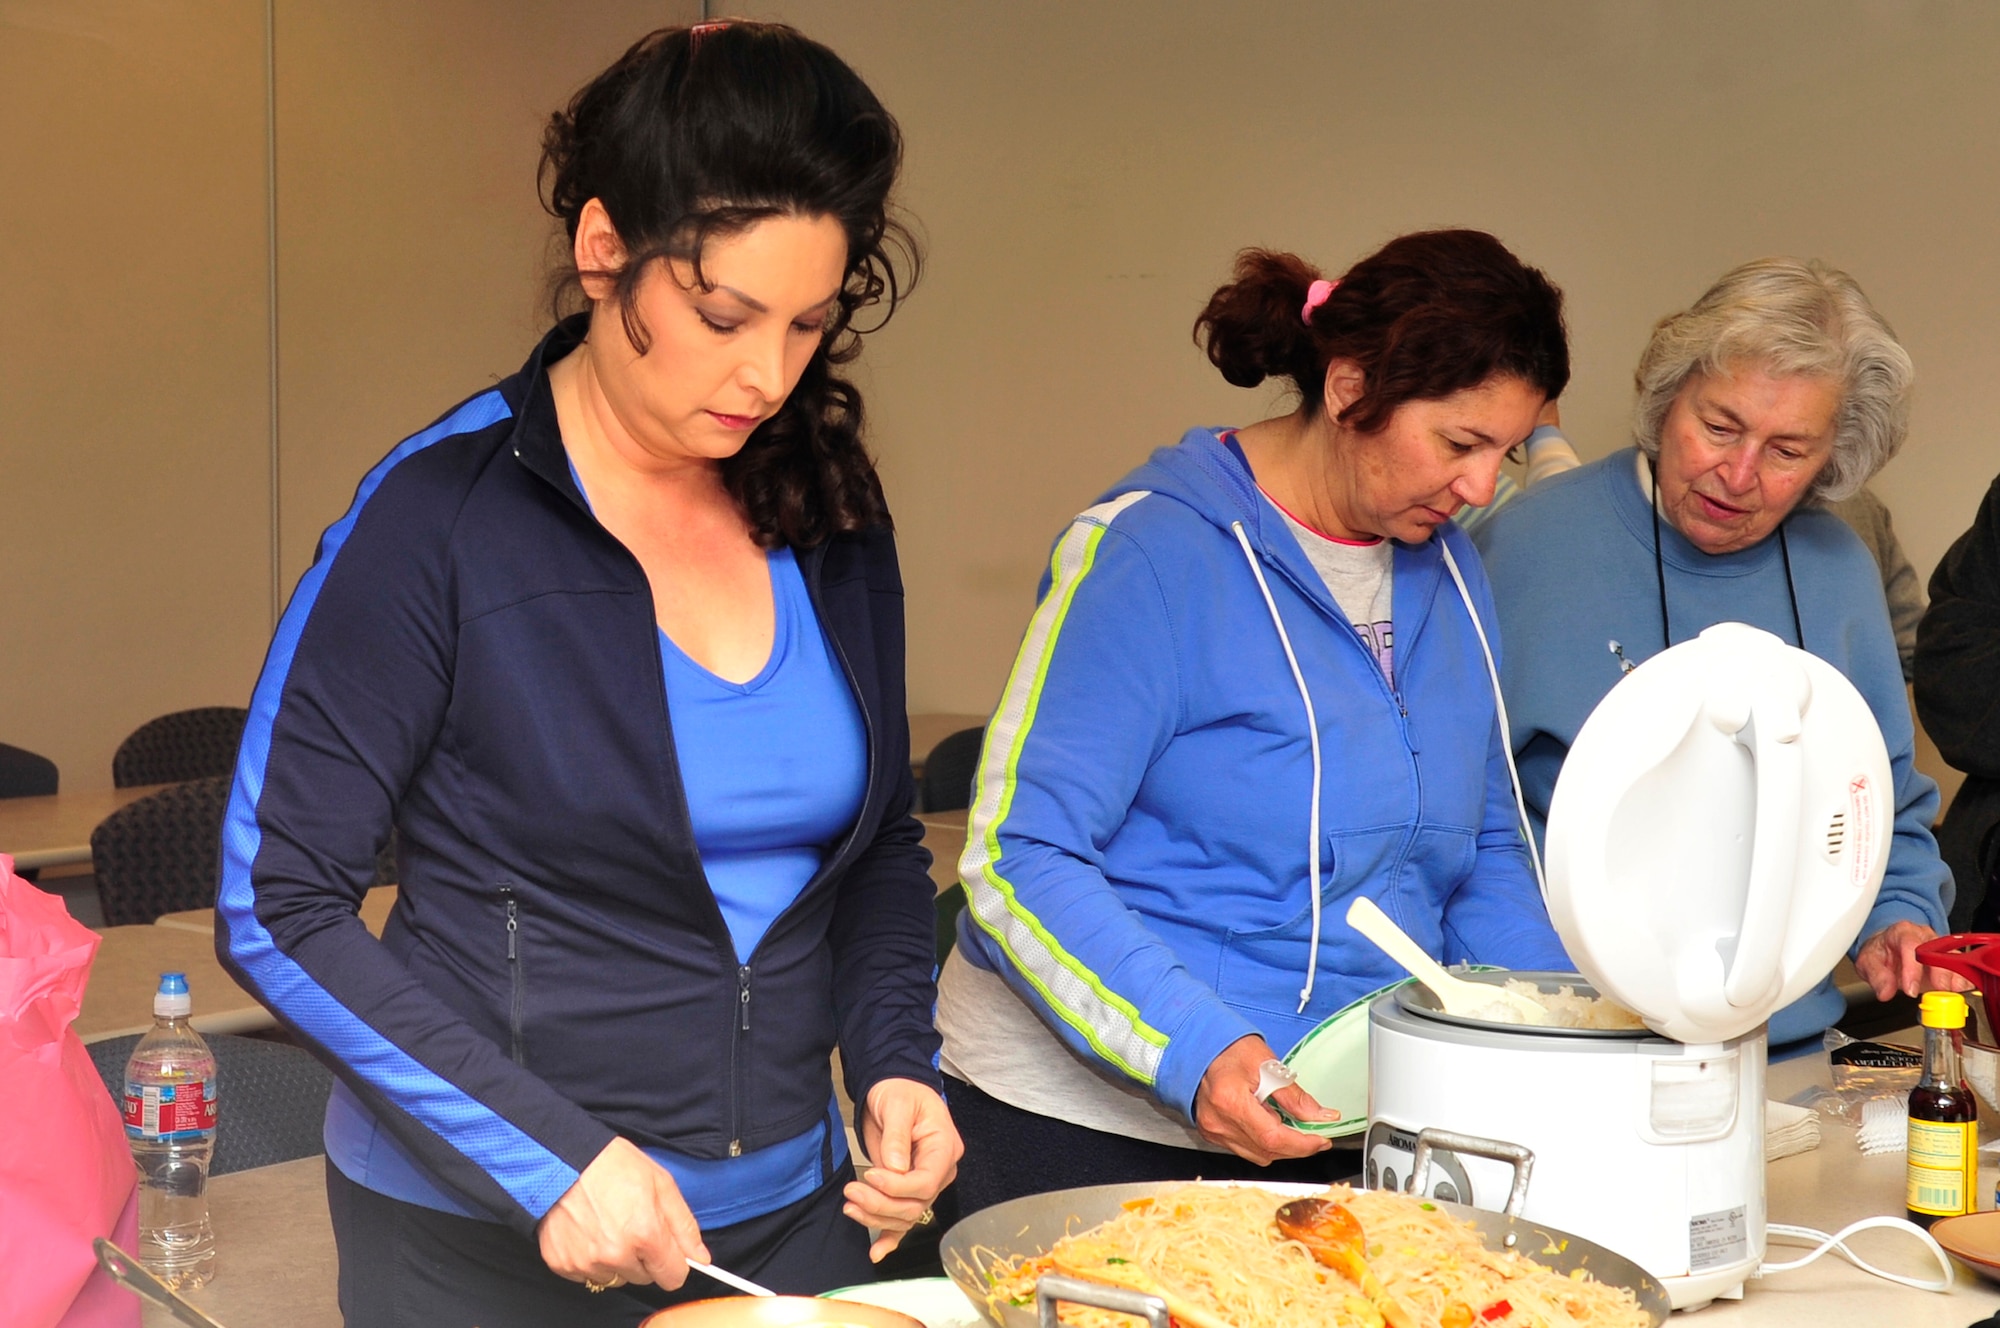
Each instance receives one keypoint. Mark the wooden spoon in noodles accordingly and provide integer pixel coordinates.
(1468, 1000)
(1335, 1238)
(1109, 1269)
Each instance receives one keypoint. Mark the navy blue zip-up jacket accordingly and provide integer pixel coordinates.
(473, 658)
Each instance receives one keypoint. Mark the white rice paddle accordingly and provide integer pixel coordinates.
(1468, 1000)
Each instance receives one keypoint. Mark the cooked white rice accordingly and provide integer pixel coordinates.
(1569, 1010)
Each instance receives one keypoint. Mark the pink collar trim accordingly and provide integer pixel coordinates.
(1330, 539)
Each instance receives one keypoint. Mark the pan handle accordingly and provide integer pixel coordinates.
(1053, 1288)
(1521, 1159)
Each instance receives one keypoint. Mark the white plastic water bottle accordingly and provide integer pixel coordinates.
(170, 1113)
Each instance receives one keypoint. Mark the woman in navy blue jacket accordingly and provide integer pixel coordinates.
(616, 647)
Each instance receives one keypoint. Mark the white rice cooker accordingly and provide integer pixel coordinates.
(1715, 841)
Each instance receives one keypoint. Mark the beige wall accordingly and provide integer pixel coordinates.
(135, 444)
(134, 475)
(1085, 172)
(411, 245)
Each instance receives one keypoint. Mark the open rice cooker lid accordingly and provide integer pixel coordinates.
(1718, 832)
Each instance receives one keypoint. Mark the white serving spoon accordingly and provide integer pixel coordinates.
(729, 1279)
(1468, 1000)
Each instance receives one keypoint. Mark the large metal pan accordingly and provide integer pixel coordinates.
(1030, 1226)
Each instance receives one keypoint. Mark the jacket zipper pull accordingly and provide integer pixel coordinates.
(513, 923)
(743, 997)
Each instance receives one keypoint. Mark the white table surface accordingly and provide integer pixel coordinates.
(1826, 1189)
(276, 1264)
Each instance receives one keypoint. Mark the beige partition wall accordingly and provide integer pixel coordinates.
(134, 447)
(137, 545)
(1085, 171)
(411, 245)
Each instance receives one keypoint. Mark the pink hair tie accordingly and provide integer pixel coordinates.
(1316, 295)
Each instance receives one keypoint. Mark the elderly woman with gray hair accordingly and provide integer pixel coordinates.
(1779, 391)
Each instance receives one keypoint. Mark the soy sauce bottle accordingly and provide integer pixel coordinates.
(1944, 1120)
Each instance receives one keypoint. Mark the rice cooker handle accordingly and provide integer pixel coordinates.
(1774, 719)
(1521, 1159)
(1053, 1288)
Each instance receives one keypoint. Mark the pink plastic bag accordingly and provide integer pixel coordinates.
(66, 1175)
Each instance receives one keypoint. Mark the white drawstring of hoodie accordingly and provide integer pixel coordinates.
(1312, 736)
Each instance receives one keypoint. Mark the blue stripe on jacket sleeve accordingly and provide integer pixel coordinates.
(532, 1175)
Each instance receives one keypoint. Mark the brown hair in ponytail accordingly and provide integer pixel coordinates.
(1427, 315)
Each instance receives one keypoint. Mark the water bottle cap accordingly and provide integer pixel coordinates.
(172, 998)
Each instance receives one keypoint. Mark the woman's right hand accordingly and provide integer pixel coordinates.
(1227, 1112)
(623, 1221)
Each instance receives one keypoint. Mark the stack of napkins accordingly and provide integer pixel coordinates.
(1788, 1130)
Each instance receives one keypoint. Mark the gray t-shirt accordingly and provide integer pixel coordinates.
(1362, 580)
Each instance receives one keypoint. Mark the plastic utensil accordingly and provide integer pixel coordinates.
(729, 1279)
(1471, 1000)
(127, 1272)
(1336, 1240)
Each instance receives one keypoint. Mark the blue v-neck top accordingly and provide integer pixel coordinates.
(774, 767)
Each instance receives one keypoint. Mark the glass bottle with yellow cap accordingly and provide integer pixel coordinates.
(1944, 1120)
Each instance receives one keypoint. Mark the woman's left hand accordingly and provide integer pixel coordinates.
(1887, 962)
(907, 1133)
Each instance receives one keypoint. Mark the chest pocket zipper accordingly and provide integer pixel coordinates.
(517, 999)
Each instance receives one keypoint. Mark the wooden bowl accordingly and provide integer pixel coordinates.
(1974, 1239)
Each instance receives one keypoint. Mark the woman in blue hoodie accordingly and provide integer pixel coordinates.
(1253, 690)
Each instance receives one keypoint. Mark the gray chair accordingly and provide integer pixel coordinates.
(187, 744)
(271, 1097)
(949, 768)
(161, 854)
(23, 774)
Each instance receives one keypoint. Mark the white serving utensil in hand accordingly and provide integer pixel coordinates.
(1468, 1000)
(729, 1279)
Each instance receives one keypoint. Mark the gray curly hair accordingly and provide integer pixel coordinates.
(1787, 317)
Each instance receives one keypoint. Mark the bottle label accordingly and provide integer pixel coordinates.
(1942, 1157)
(183, 1112)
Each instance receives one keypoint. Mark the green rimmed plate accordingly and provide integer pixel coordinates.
(1332, 1063)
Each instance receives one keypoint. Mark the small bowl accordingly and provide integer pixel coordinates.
(777, 1312)
(1973, 1239)
(936, 1301)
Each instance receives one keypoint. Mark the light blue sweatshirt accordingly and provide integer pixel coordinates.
(1572, 568)
(1137, 863)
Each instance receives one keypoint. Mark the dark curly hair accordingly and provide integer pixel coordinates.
(698, 133)
(1425, 316)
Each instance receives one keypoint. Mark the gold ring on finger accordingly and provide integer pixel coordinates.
(925, 1218)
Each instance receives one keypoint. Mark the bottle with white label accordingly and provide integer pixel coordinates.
(1944, 1119)
(170, 1115)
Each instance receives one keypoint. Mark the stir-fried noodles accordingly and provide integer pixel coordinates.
(1218, 1249)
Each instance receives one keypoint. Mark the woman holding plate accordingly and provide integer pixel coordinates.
(1255, 689)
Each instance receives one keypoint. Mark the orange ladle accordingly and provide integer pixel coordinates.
(1334, 1236)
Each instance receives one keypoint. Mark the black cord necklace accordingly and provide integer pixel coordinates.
(1660, 570)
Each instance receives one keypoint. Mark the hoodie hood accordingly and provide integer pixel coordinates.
(1205, 474)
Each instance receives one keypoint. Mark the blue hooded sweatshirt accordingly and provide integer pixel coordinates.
(1137, 864)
